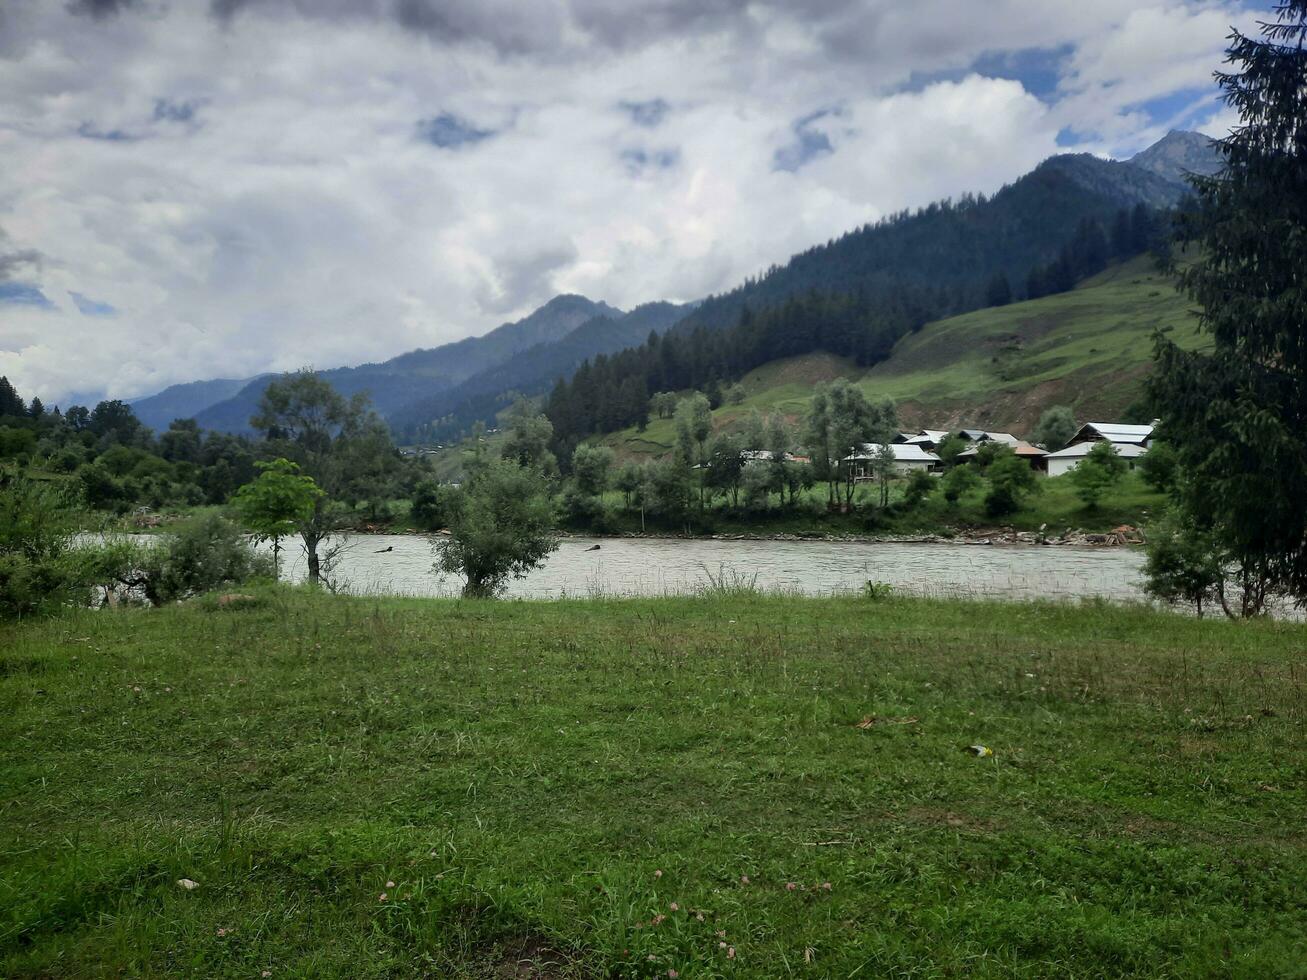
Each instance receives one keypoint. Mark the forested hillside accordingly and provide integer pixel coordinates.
(998, 368)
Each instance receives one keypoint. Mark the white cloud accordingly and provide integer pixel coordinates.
(296, 217)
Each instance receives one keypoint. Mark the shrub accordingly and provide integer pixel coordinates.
(39, 567)
(1011, 480)
(206, 553)
(920, 486)
(1097, 473)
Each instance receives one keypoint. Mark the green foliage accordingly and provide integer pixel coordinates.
(36, 528)
(920, 485)
(16, 443)
(504, 527)
(1011, 481)
(1055, 429)
(877, 591)
(278, 503)
(1160, 466)
(529, 436)
(959, 481)
(434, 505)
(1236, 415)
(949, 448)
(199, 555)
(1184, 563)
(592, 468)
(1097, 473)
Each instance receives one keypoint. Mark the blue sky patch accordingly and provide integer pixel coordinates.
(90, 307)
(167, 110)
(638, 159)
(449, 131)
(1039, 70)
(807, 146)
(1181, 109)
(648, 114)
(23, 294)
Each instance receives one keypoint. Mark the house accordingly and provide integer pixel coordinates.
(1118, 433)
(1065, 460)
(766, 456)
(1130, 441)
(907, 458)
(927, 439)
(971, 435)
(1032, 454)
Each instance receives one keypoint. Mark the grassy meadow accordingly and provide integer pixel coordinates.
(728, 785)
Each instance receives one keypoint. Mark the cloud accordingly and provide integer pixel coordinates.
(373, 176)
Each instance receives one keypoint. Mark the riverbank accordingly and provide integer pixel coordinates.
(730, 785)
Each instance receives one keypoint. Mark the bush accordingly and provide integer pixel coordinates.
(434, 505)
(40, 570)
(206, 553)
(1011, 480)
(920, 486)
(1097, 473)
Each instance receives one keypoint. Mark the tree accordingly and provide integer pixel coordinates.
(920, 486)
(11, 404)
(959, 481)
(726, 466)
(663, 404)
(1236, 415)
(504, 528)
(1183, 563)
(839, 420)
(592, 468)
(628, 480)
(999, 291)
(433, 506)
(1160, 466)
(37, 411)
(277, 504)
(1055, 429)
(1011, 480)
(883, 468)
(181, 443)
(313, 424)
(1097, 473)
(529, 435)
(949, 448)
(736, 394)
(693, 426)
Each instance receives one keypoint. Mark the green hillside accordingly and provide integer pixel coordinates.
(998, 368)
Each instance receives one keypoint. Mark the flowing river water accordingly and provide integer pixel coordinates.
(402, 564)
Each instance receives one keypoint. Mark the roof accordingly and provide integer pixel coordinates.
(1004, 437)
(1017, 446)
(1126, 450)
(972, 435)
(1114, 432)
(903, 453)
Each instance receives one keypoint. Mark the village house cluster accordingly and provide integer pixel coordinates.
(916, 450)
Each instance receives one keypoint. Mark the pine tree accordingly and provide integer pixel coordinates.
(10, 402)
(1237, 415)
(37, 410)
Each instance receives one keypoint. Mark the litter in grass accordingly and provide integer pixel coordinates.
(980, 751)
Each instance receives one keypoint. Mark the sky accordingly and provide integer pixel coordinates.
(197, 189)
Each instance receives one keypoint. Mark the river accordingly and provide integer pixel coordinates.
(401, 564)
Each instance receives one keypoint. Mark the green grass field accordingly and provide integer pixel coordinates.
(671, 787)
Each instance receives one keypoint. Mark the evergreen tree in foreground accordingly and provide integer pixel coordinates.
(1237, 416)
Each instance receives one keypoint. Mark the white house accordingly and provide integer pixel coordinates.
(1117, 433)
(907, 457)
(1065, 460)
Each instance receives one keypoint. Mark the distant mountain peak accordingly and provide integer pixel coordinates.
(1178, 154)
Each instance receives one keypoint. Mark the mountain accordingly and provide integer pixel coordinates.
(948, 251)
(531, 372)
(1178, 154)
(184, 401)
(418, 374)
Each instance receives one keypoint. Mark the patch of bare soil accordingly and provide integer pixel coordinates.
(532, 958)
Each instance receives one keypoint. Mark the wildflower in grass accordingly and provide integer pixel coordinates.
(699, 916)
(825, 886)
(744, 879)
(658, 873)
(381, 897)
(672, 974)
(791, 886)
(266, 973)
(721, 934)
(674, 907)
(657, 919)
(222, 932)
(390, 884)
(721, 945)
(730, 952)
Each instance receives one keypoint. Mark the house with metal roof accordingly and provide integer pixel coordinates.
(1031, 454)
(1114, 432)
(907, 458)
(1065, 460)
